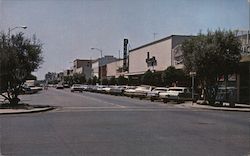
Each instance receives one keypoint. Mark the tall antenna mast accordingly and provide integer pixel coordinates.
(154, 35)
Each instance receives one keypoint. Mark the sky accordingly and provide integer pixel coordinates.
(69, 29)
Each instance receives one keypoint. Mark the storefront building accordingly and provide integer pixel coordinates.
(157, 56)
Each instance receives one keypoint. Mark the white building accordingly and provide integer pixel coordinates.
(114, 69)
(157, 56)
(82, 67)
(99, 66)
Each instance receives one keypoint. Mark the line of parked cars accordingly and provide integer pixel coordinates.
(177, 94)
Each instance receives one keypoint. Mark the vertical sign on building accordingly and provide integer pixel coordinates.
(125, 54)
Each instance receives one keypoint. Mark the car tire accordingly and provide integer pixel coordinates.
(165, 100)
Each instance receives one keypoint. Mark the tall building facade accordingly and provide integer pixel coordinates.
(84, 67)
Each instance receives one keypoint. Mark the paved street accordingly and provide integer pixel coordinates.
(103, 125)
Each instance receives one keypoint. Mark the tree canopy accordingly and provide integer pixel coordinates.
(19, 56)
(210, 56)
(174, 76)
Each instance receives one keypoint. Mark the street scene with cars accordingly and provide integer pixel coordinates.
(66, 90)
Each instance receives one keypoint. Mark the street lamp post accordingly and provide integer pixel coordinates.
(10, 29)
(192, 74)
(100, 50)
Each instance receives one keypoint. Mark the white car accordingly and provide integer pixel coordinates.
(154, 94)
(106, 89)
(76, 87)
(59, 86)
(129, 91)
(178, 94)
(117, 90)
(142, 91)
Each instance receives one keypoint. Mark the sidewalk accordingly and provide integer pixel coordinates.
(238, 107)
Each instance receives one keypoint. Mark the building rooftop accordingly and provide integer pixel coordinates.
(157, 41)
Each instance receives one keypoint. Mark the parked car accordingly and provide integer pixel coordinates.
(100, 89)
(106, 89)
(117, 90)
(59, 86)
(90, 88)
(154, 94)
(177, 94)
(142, 91)
(130, 91)
(76, 87)
(36, 88)
(65, 85)
(27, 90)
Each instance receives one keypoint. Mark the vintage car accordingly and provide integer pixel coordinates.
(77, 87)
(129, 91)
(142, 91)
(117, 90)
(177, 94)
(154, 94)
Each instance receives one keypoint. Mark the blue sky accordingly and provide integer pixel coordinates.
(69, 28)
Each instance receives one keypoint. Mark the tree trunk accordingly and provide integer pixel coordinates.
(14, 101)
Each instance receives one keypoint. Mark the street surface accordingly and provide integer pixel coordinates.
(91, 124)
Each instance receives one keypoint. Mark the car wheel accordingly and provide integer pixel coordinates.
(165, 100)
(152, 99)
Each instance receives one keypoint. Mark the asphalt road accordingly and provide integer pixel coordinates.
(89, 124)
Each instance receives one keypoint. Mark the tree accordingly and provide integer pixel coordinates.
(68, 80)
(147, 78)
(174, 76)
(210, 56)
(89, 81)
(94, 80)
(79, 78)
(19, 57)
(105, 82)
(112, 81)
(121, 80)
(158, 81)
(31, 77)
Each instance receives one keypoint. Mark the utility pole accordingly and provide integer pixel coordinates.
(154, 35)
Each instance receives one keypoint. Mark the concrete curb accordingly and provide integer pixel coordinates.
(23, 111)
(198, 106)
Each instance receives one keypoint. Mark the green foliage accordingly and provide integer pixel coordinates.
(174, 76)
(112, 81)
(31, 77)
(89, 81)
(105, 81)
(121, 80)
(158, 81)
(212, 55)
(147, 78)
(19, 57)
(75, 79)
(94, 80)
(152, 78)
